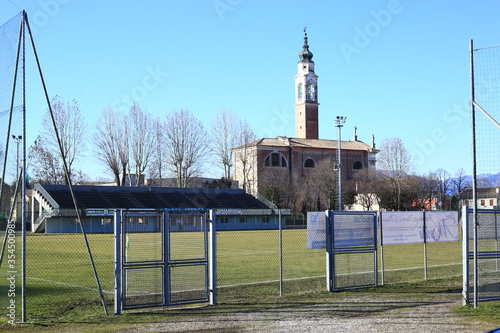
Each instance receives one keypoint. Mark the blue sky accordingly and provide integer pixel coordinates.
(393, 68)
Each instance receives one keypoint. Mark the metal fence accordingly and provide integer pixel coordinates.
(488, 255)
(485, 126)
(252, 263)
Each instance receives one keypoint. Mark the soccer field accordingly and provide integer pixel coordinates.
(60, 277)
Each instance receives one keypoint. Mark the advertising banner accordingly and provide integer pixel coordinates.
(402, 227)
(316, 230)
(351, 229)
(441, 227)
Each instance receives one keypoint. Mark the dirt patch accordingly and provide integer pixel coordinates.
(374, 313)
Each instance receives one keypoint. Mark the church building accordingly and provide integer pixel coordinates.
(294, 159)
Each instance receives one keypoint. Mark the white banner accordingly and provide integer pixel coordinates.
(402, 227)
(407, 227)
(441, 227)
(316, 230)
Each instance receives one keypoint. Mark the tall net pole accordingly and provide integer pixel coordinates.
(474, 170)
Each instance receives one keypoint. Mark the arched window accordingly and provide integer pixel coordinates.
(300, 90)
(357, 165)
(275, 159)
(309, 163)
(310, 90)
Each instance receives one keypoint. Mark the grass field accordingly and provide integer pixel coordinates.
(60, 281)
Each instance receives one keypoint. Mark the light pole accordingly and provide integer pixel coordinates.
(339, 123)
(17, 138)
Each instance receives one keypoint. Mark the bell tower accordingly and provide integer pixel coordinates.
(306, 95)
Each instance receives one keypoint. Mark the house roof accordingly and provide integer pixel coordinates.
(310, 143)
(127, 197)
(482, 192)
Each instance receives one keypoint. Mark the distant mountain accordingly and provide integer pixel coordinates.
(488, 179)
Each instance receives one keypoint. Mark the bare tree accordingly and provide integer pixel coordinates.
(324, 179)
(107, 141)
(123, 149)
(186, 145)
(46, 168)
(141, 139)
(71, 127)
(275, 186)
(460, 183)
(246, 156)
(223, 137)
(395, 163)
(444, 187)
(366, 186)
(156, 167)
(420, 191)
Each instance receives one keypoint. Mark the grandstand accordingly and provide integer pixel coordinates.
(53, 208)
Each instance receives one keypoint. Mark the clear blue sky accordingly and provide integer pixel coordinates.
(394, 68)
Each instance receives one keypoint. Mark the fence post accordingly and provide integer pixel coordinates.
(212, 274)
(330, 270)
(281, 253)
(425, 246)
(465, 256)
(118, 269)
(381, 245)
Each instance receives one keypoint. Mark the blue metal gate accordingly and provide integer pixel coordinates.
(351, 247)
(488, 255)
(162, 258)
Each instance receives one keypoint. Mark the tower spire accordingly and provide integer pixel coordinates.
(305, 55)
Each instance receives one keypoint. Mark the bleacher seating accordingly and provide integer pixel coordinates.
(158, 198)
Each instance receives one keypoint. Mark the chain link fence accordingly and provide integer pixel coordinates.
(252, 263)
(488, 255)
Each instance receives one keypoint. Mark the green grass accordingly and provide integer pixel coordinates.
(61, 284)
(486, 312)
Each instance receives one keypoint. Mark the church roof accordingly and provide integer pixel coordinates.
(310, 143)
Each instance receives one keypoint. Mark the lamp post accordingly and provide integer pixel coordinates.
(17, 138)
(339, 123)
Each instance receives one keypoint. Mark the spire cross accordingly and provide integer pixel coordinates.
(305, 29)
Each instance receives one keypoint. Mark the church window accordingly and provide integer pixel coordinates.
(357, 165)
(300, 90)
(311, 91)
(309, 163)
(275, 159)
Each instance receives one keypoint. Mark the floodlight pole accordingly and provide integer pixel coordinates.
(339, 123)
(17, 138)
